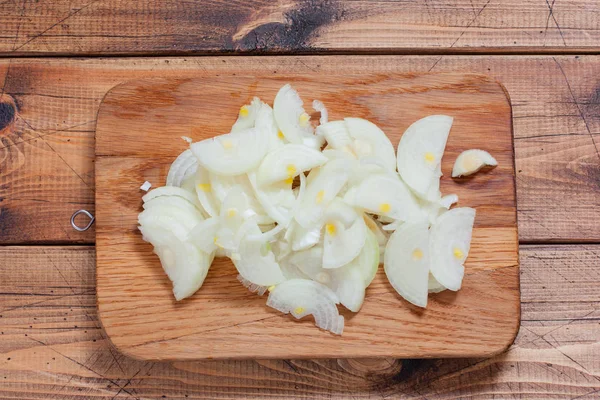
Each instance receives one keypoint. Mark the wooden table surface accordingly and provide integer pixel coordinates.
(59, 58)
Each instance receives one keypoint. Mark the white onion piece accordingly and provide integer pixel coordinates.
(387, 196)
(350, 289)
(341, 211)
(392, 226)
(434, 286)
(287, 162)
(448, 200)
(146, 186)
(406, 262)
(470, 161)
(236, 208)
(348, 282)
(165, 222)
(433, 209)
(185, 265)
(235, 212)
(302, 297)
(367, 261)
(301, 238)
(310, 262)
(337, 136)
(341, 244)
(385, 220)
(322, 190)
(204, 191)
(204, 233)
(189, 184)
(290, 270)
(247, 116)
(184, 166)
(449, 246)
(268, 235)
(256, 261)
(376, 228)
(314, 142)
(281, 248)
(259, 290)
(369, 140)
(231, 154)
(170, 191)
(265, 122)
(433, 191)
(291, 118)
(189, 270)
(173, 202)
(277, 199)
(172, 218)
(420, 152)
(157, 234)
(364, 169)
(319, 107)
(221, 186)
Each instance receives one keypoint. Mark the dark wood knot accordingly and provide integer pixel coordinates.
(8, 113)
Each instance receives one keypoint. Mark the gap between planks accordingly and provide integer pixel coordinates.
(479, 51)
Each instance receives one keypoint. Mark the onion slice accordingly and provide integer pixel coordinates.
(388, 196)
(449, 246)
(256, 262)
(185, 264)
(259, 290)
(231, 154)
(470, 161)
(322, 189)
(342, 244)
(170, 191)
(434, 286)
(420, 152)
(336, 134)
(370, 140)
(247, 115)
(287, 162)
(291, 118)
(319, 107)
(265, 122)
(204, 234)
(204, 191)
(302, 297)
(184, 166)
(406, 262)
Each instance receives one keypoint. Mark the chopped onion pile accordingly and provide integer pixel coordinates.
(307, 214)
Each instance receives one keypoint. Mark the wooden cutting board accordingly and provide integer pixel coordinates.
(138, 135)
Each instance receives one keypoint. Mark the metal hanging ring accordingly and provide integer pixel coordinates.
(85, 228)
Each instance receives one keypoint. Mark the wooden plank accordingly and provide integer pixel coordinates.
(555, 117)
(52, 345)
(83, 27)
(132, 146)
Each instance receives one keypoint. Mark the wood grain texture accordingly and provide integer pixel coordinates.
(52, 344)
(556, 117)
(138, 135)
(81, 27)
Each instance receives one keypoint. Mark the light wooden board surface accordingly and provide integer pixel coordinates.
(81, 27)
(52, 344)
(138, 134)
(47, 154)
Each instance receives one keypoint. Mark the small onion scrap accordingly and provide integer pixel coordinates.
(306, 211)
